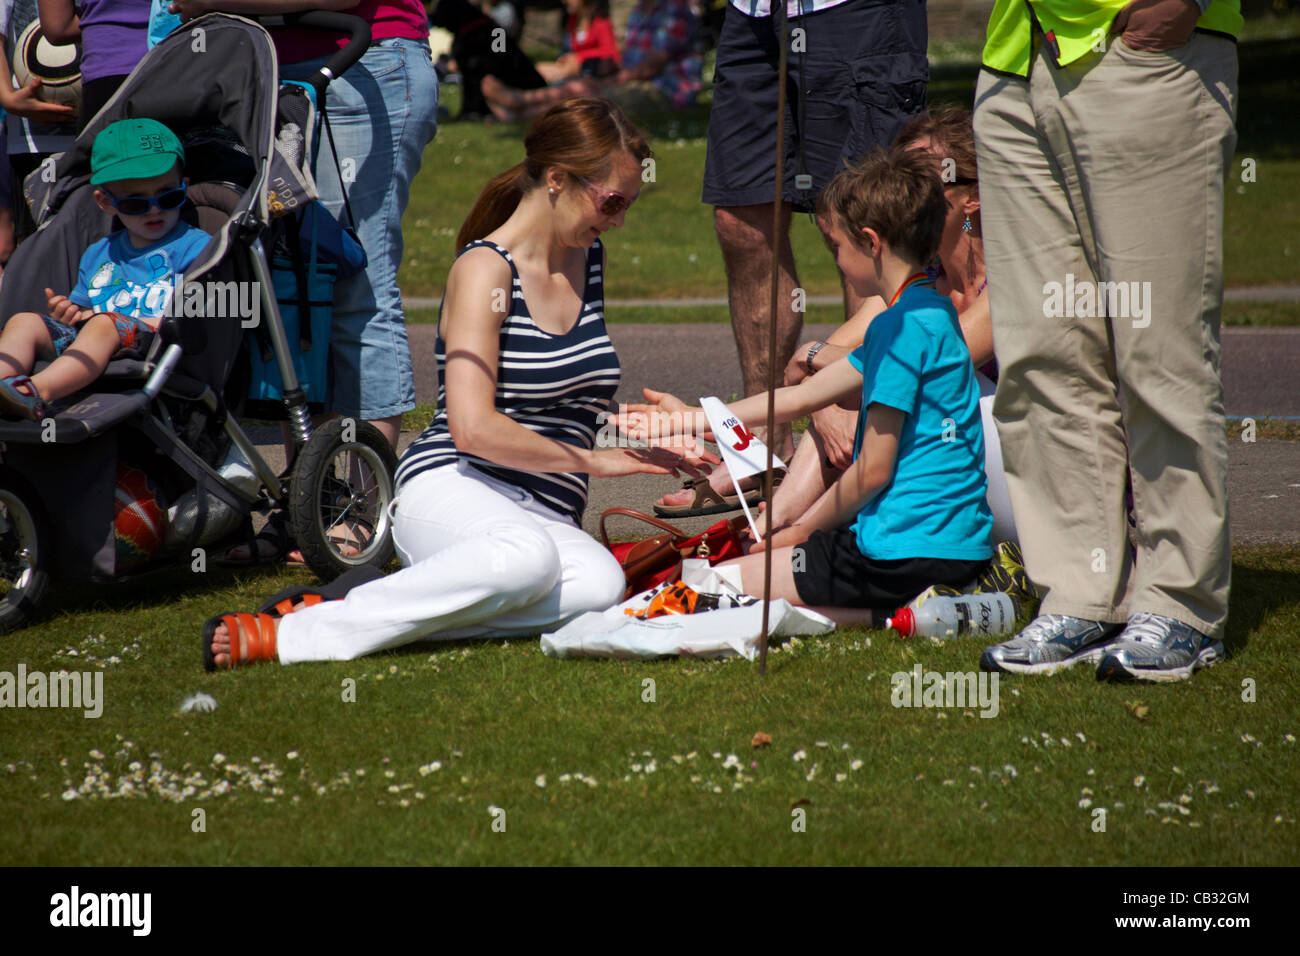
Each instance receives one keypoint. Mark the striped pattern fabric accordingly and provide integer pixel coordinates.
(794, 8)
(555, 385)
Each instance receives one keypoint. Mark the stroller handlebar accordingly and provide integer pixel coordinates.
(358, 31)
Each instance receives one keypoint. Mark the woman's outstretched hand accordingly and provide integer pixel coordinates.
(662, 419)
(685, 459)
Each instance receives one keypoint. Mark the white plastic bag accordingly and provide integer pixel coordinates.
(721, 633)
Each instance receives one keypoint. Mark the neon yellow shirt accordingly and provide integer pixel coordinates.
(1074, 27)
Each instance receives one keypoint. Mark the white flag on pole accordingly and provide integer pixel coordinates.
(743, 452)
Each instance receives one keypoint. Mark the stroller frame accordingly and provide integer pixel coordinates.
(336, 474)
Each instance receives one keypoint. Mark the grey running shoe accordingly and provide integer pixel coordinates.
(1051, 642)
(1158, 648)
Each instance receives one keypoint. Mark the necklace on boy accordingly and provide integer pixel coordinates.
(909, 281)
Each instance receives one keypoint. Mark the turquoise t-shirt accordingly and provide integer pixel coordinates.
(915, 359)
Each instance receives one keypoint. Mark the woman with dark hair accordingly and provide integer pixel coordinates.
(489, 498)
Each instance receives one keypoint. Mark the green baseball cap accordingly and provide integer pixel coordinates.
(134, 149)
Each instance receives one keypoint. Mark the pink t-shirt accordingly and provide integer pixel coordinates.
(387, 18)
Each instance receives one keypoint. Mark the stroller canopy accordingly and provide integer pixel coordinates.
(219, 71)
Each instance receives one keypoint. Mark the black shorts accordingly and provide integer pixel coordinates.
(863, 73)
(830, 571)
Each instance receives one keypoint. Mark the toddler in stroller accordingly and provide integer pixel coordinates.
(153, 454)
(125, 281)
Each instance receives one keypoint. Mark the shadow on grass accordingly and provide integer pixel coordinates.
(1263, 581)
(157, 589)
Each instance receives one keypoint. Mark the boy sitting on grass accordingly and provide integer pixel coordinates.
(124, 283)
(910, 511)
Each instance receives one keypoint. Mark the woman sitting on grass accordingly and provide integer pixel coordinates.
(662, 68)
(590, 47)
(489, 498)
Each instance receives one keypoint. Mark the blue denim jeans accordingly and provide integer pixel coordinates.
(383, 112)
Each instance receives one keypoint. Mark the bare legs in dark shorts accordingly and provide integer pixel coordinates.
(863, 72)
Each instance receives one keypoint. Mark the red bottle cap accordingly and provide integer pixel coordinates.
(903, 622)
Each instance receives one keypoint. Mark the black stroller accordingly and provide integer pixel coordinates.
(149, 467)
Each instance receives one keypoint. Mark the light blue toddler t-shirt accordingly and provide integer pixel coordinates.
(115, 276)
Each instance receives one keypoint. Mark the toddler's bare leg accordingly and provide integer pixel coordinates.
(83, 362)
(24, 338)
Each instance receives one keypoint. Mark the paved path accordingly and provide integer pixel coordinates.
(1261, 371)
(1261, 293)
(1261, 367)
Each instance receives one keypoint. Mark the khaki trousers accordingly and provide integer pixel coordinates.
(1101, 187)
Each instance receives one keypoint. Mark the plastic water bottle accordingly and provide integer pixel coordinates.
(979, 615)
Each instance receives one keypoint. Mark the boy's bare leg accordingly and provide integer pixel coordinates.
(6, 236)
(751, 577)
(751, 574)
(24, 338)
(83, 362)
(805, 481)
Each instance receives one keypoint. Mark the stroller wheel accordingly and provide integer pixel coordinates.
(24, 555)
(339, 495)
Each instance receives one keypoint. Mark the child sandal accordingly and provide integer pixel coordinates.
(16, 403)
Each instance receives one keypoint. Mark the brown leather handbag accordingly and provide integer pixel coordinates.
(659, 558)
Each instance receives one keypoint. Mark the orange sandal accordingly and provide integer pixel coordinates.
(252, 639)
(298, 596)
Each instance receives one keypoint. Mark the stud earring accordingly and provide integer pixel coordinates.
(966, 226)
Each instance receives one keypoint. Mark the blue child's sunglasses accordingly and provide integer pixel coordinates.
(139, 205)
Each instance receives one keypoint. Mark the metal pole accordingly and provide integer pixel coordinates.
(779, 21)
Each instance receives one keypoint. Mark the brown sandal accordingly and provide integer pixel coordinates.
(708, 501)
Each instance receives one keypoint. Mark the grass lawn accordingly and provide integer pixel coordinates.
(667, 248)
(587, 771)
(410, 757)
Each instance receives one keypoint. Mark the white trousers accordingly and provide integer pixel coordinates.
(481, 558)
(999, 499)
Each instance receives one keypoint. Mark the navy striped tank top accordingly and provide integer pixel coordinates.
(555, 385)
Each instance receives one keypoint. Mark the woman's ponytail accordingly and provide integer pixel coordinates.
(580, 136)
(495, 204)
